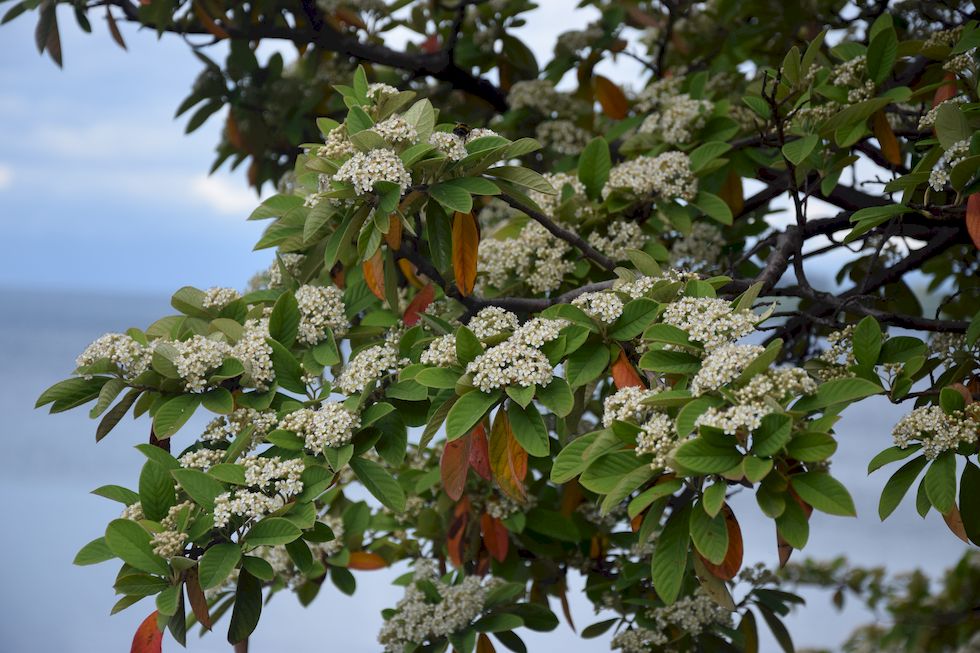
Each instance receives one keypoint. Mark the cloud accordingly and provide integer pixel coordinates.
(228, 196)
(117, 140)
(6, 176)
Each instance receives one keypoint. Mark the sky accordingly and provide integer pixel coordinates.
(102, 192)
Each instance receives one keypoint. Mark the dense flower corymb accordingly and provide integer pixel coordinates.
(365, 169)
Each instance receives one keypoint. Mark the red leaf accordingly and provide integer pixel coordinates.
(454, 465)
(495, 536)
(419, 303)
(973, 218)
(431, 44)
(455, 538)
(946, 90)
(366, 561)
(624, 374)
(484, 645)
(729, 567)
(480, 453)
(148, 638)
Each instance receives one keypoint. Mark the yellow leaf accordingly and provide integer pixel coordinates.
(366, 561)
(508, 460)
(466, 249)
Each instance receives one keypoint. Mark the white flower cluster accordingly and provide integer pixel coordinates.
(641, 285)
(441, 352)
(937, 431)
(605, 307)
(951, 347)
(626, 405)
(849, 73)
(541, 96)
(218, 298)
(620, 236)
(638, 640)
(337, 145)
(227, 427)
(676, 118)
(453, 145)
(839, 356)
(365, 169)
(170, 541)
(196, 357)
(517, 360)
(534, 257)
(133, 511)
(320, 308)
(732, 419)
(417, 620)
(961, 63)
(331, 425)
(667, 175)
(263, 475)
(492, 321)
(778, 384)
(549, 202)
(562, 136)
(129, 356)
(709, 320)
(699, 250)
(928, 121)
(576, 40)
(378, 91)
(954, 154)
(396, 130)
(255, 353)
(292, 263)
(502, 506)
(657, 437)
(369, 365)
(722, 366)
(691, 614)
(202, 459)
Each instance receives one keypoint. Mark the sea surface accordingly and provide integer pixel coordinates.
(53, 462)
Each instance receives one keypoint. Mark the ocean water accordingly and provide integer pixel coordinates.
(53, 462)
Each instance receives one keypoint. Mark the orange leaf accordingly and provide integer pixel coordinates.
(508, 460)
(114, 28)
(366, 561)
(565, 608)
(955, 523)
(408, 269)
(611, 98)
(338, 276)
(232, 133)
(731, 192)
(637, 522)
(466, 249)
(480, 452)
(455, 538)
(973, 218)
(199, 603)
(374, 275)
(733, 557)
(419, 303)
(495, 536)
(484, 645)
(453, 466)
(946, 90)
(394, 235)
(208, 23)
(431, 44)
(624, 374)
(148, 637)
(886, 138)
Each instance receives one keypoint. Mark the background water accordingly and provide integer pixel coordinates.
(52, 462)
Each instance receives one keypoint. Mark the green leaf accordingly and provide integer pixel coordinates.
(437, 377)
(970, 501)
(218, 400)
(199, 486)
(272, 531)
(594, 164)
(636, 316)
(475, 185)
(289, 372)
(689, 413)
(881, 56)
(772, 435)
(793, 525)
(468, 346)
(798, 150)
(713, 498)
(495, 623)
(648, 496)
(670, 362)
(156, 490)
(838, 391)
(71, 393)
(669, 563)
(130, 542)
(570, 462)
(586, 364)
(951, 125)
(452, 197)
(379, 482)
(217, 563)
(811, 447)
(468, 411)
(557, 397)
(940, 482)
(529, 429)
(890, 455)
(93, 553)
(898, 486)
(284, 319)
(603, 475)
(709, 534)
(699, 455)
(706, 153)
(867, 342)
(824, 492)
(714, 207)
(523, 177)
(174, 414)
(248, 608)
